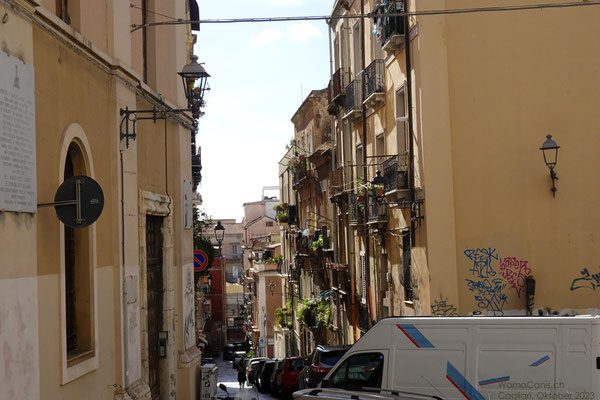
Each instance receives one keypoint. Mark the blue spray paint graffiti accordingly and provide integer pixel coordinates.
(482, 262)
(492, 275)
(586, 281)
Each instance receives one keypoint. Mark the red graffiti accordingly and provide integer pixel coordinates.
(514, 271)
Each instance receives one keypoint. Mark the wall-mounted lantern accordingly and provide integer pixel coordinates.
(195, 84)
(550, 152)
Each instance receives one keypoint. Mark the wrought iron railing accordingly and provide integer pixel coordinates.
(300, 171)
(376, 210)
(336, 84)
(303, 245)
(374, 78)
(395, 173)
(353, 94)
(338, 179)
(354, 208)
(388, 26)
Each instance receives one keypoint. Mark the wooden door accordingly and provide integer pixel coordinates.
(154, 244)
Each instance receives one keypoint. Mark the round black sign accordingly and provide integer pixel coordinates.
(83, 200)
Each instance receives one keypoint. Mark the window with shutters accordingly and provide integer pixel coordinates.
(401, 121)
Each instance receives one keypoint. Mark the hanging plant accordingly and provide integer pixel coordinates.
(282, 315)
(317, 244)
(282, 213)
(314, 313)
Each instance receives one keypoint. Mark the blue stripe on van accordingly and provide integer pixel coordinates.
(416, 336)
(462, 384)
(540, 361)
(494, 380)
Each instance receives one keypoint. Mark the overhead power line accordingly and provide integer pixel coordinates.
(583, 3)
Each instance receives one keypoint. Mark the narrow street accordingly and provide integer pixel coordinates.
(228, 376)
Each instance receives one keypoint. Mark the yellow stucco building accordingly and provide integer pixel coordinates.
(442, 200)
(107, 310)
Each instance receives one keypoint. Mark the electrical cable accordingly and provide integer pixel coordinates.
(154, 12)
(368, 15)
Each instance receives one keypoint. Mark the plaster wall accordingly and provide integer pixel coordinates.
(512, 78)
(19, 334)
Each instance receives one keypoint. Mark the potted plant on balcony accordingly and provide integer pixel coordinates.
(283, 315)
(281, 213)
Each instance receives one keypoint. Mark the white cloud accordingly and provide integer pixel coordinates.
(303, 31)
(266, 37)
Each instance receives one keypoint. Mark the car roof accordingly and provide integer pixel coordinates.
(333, 348)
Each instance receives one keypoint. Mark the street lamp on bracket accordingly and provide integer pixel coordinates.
(219, 234)
(195, 85)
(550, 151)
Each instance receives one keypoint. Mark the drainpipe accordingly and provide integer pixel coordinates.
(124, 318)
(411, 150)
(364, 160)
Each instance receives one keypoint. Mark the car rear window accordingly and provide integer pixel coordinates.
(296, 365)
(331, 357)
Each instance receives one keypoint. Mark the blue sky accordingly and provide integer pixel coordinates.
(260, 74)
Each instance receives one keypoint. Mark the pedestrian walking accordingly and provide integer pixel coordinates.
(241, 373)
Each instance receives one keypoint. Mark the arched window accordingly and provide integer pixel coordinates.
(78, 287)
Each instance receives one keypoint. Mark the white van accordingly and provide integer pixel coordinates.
(477, 358)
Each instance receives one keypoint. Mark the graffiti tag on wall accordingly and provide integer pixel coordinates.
(514, 271)
(482, 262)
(492, 275)
(586, 281)
(441, 308)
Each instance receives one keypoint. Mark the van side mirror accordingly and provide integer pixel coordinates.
(327, 383)
(223, 387)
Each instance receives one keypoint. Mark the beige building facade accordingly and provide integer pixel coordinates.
(103, 311)
(441, 198)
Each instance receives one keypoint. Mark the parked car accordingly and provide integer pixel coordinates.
(238, 357)
(231, 348)
(207, 360)
(228, 352)
(274, 389)
(288, 378)
(253, 366)
(318, 364)
(263, 377)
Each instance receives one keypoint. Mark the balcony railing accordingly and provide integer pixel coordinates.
(300, 172)
(377, 212)
(355, 208)
(374, 78)
(390, 28)
(336, 85)
(395, 173)
(337, 181)
(353, 99)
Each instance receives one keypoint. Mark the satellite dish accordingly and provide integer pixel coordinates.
(78, 201)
